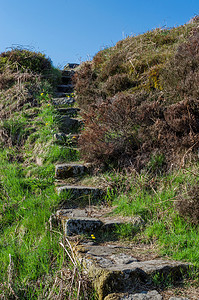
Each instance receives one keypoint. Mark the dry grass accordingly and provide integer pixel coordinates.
(69, 282)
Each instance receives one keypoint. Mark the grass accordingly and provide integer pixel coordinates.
(155, 199)
(34, 258)
(26, 240)
(30, 251)
(31, 256)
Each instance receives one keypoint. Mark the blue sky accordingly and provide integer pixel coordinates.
(75, 30)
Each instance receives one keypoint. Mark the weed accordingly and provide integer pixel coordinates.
(156, 163)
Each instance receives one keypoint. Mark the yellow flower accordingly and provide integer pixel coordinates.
(74, 137)
(92, 235)
(48, 104)
(46, 123)
(42, 94)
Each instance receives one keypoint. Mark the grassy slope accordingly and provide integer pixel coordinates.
(30, 254)
(28, 199)
(168, 202)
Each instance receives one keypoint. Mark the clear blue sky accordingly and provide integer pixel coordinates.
(75, 30)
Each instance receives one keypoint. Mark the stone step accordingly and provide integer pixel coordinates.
(113, 269)
(69, 111)
(68, 73)
(79, 195)
(63, 171)
(66, 80)
(70, 67)
(65, 88)
(63, 94)
(144, 295)
(63, 101)
(93, 221)
(69, 125)
(66, 139)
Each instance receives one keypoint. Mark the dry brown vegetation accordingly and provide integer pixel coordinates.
(140, 100)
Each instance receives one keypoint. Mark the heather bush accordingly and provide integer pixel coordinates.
(131, 129)
(86, 86)
(117, 83)
(188, 204)
(157, 113)
(23, 60)
(111, 130)
(181, 75)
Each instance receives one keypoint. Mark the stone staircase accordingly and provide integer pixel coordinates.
(117, 270)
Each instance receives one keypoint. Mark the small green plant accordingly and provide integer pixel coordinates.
(156, 163)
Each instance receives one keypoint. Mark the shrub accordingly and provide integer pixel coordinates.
(23, 60)
(26, 61)
(85, 85)
(118, 83)
(110, 134)
(132, 129)
(181, 76)
(158, 111)
(188, 205)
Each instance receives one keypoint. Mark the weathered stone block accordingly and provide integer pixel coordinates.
(67, 139)
(62, 100)
(82, 226)
(65, 88)
(178, 298)
(114, 273)
(63, 171)
(78, 193)
(145, 295)
(68, 125)
(68, 111)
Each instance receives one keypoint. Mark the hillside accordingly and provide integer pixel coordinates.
(138, 130)
(140, 99)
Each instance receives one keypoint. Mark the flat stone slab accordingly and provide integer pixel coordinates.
(145, 295)
(80, 194)
(81, 225)
(178, 298)
(70, 111)
(63, 171)
(70, 66)
(66, 79)
(107, 223)
(84, 216)
(68, 125)
(66, 139)
(68, 74)
(65, 88)
(113, 271)
(62, 100)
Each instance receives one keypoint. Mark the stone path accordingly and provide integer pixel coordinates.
(114, 271)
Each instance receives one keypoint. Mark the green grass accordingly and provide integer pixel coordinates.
(29, 251)
(154, 199)
(31, 257)
(26, 206)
